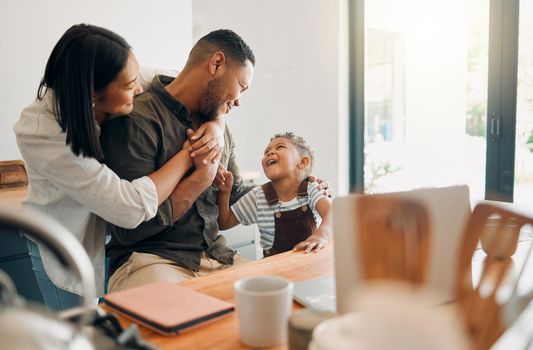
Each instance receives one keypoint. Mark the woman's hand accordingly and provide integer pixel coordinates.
(208, 141)
(185, 151)
(186, 146)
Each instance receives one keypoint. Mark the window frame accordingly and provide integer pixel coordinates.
(501, 97)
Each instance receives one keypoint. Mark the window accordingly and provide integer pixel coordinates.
(431, 90)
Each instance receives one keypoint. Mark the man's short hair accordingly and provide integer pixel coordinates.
(301, 145)
(225, 40)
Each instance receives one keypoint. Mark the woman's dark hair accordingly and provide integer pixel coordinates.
(85, 60)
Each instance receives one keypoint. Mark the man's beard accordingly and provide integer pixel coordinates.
(210, 101)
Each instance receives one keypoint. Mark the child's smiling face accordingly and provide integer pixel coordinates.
(281, 159)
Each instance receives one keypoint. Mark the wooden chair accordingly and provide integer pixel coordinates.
(394, 238)
(13, 174)
(481, 306)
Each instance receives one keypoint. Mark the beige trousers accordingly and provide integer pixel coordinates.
(144, 268)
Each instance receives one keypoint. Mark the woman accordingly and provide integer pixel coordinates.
(90, 75)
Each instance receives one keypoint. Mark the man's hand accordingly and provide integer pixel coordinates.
(322, 184)
(207, 142)
(224, 180)
(213, 155)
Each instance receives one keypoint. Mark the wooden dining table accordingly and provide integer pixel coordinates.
(223, 333)
(12, 197)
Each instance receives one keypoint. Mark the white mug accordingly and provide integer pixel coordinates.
(264, 305)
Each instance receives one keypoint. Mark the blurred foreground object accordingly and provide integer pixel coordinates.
(392, 316)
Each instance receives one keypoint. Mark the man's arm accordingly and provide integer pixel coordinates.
(193, 186)
(189, 189)
(130, 149)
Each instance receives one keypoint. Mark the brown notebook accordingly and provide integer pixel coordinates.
(167, 307)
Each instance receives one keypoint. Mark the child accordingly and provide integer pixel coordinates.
(289, 207)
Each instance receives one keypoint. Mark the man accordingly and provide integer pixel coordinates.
(182, 240)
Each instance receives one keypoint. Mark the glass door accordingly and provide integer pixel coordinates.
(426, 69)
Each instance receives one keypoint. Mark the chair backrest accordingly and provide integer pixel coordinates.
(394, 238)
(13, 174)
(482, 305)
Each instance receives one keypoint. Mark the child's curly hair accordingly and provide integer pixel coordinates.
(301, 145)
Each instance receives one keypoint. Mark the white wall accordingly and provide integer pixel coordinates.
(160, 32)
(300, 77)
